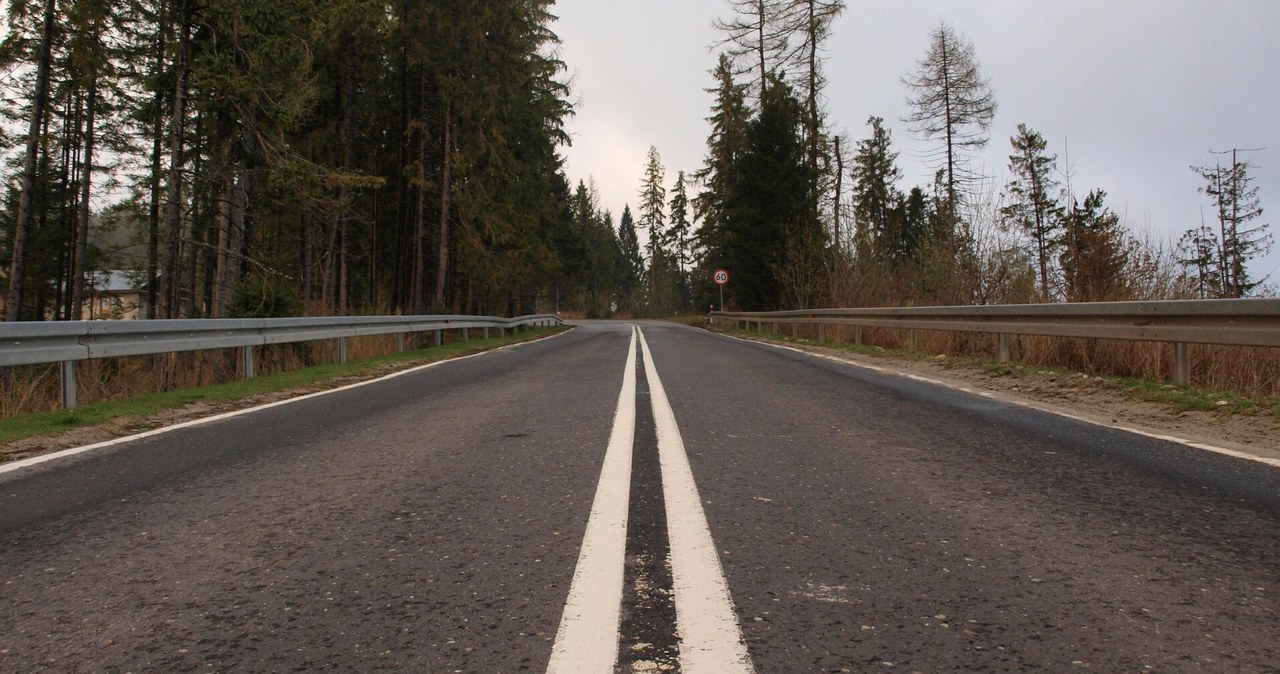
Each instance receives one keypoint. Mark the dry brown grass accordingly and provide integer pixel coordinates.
(1247, 370)
(37, 388)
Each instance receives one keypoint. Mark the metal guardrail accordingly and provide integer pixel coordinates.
(1244, 322)
(68, 342)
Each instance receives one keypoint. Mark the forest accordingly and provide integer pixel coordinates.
(234, 158)
(828, 220)
(243, 158)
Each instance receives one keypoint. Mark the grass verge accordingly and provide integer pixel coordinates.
(305, 380)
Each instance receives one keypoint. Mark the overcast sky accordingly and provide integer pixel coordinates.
(1134, 91)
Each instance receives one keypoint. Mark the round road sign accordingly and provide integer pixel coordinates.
(721, 277)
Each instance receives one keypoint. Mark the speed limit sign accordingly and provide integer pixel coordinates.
(721, 277)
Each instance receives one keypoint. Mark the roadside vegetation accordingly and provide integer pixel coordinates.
(1139, 371)
(132, 398)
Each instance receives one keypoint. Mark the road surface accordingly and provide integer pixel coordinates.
(661, 499)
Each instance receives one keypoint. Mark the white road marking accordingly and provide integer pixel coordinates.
(44, 458)
(1030, 405)
(710, 638)
(587, 639)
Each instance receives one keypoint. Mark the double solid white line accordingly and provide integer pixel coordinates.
(709, 636)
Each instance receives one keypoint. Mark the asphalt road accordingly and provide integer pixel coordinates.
(434, 522)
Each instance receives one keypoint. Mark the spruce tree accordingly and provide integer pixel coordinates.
(1095, 252)
(725, 147)
(768, 207)
(1033, 202)
(875, 193)
(632, 260)
(1241, 238)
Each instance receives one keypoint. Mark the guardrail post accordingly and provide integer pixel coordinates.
(911, 340)
(486, 332)
(1004, 348)
(1182, 364)
(399, 342)
(466, 335)
(342, 350)
(246, 358)
(822, 333)
(857, 335)
(439, 337)
(67, 375)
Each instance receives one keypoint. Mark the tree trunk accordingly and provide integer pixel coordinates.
(168, 295)
(157, 154)
(420, 214)
(226, 243)
(446, 187)
(760, 14)
(69, 187)
(23, 224)
(86, 181)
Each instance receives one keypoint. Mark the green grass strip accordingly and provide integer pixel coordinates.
(314, 378)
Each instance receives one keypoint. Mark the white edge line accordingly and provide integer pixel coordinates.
(710, 637)
(13, 466)
(1029, 405)
(587, 638)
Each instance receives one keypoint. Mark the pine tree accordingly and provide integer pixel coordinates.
(653, 200)
(632, 260)
(952, 103)
(1095, 252)
(725, 147)
(768, 209)
(876, 195)
(681, 227)
(1240, 239)
(1199, 252)
(1033, 206)
(372, 155)
(815, 19)
(653, 203)
(26, 197)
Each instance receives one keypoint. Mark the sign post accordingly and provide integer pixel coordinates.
(721, 278)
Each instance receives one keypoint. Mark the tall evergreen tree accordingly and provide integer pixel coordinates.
(653, 200)
(632, 260)
(681, 227)
(1094, 252)
(1033, 201)
(35, 126)
(725, 148)
(876, 194)
(1199, 252)
(1241, 238)
(653, 203)
(768, 205)
(363, 155)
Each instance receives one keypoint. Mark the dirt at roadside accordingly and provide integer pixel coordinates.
(1092, 398)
